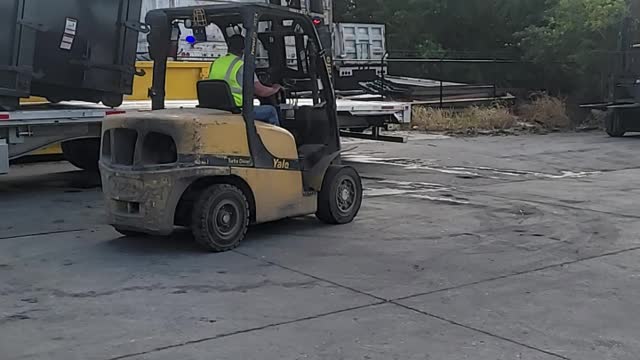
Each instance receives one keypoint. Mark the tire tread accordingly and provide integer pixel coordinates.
(199, 221)
(325, 212)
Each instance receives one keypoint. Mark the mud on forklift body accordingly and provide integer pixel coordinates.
(214, 169)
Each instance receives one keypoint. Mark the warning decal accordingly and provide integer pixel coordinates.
(70, 29)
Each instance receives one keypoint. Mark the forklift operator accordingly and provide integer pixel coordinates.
(230, 68)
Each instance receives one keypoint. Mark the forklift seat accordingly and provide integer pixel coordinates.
(216, 94)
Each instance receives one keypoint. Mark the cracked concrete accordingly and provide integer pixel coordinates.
(483, 248)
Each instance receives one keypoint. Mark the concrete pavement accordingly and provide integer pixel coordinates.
(482, 248)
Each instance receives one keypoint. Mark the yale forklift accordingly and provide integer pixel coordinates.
(214, 168)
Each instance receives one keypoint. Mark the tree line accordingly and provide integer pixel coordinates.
(571, 41)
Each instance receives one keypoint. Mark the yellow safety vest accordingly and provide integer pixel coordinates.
(226, 68)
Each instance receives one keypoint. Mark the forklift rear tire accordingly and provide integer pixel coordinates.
(220, 218)
(340, 199)
(614, 124)
(82, 153)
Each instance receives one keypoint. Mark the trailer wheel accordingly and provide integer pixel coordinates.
(614, 124)
(340, 199)
(220, 218)
(112, 100)
(83, 153)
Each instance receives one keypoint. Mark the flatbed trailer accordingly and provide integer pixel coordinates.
(36, 126)
(77, 125)
(353, 114)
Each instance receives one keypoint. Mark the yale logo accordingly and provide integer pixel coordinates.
(281, 164)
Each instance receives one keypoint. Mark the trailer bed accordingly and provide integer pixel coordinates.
(401, 111)
(38, 125)
(74, 112)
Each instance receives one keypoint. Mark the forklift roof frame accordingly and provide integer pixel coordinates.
(161, 24)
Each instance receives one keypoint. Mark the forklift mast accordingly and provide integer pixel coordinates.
(625, 71)
(321, 11)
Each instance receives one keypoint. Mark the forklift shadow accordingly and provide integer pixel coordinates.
(305, 223)
(291, 227)
(182, 242)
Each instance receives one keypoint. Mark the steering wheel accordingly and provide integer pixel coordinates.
(281, 96)
(276, 99)
(288, 83)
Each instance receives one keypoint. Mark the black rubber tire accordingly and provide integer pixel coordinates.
(614, 124)
(329, 209)
(9, 103)
(83, 153)
(130, 233)
(206, 214)
(112, 100)
(54, 100)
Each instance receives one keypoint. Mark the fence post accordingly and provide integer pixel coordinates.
(441, 83)
(494, 72)
(383, 73)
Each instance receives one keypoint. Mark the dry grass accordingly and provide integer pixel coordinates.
(467, 120)
(542, 113)
(547, 111)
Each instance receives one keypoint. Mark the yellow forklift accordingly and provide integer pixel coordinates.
(214, 168)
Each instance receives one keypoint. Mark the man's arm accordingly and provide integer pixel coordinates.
(264, 91)
(260, 90)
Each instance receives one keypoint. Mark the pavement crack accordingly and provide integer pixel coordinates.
(245, 331)
(406, 307)
(41, 234)
(396, 301)
(181, 289)
(21, 316)
(565, 206)
(96, 294)
(242, 288)
(312, 276)
(496, 336)
(519, 273)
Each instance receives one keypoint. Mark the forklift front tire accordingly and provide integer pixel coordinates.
(340, 199)
(220, 218)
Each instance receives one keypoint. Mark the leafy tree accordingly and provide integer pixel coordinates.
(568, 39)
(576, 40)
(455, 25)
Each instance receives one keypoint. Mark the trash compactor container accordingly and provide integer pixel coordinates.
(68, 50)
